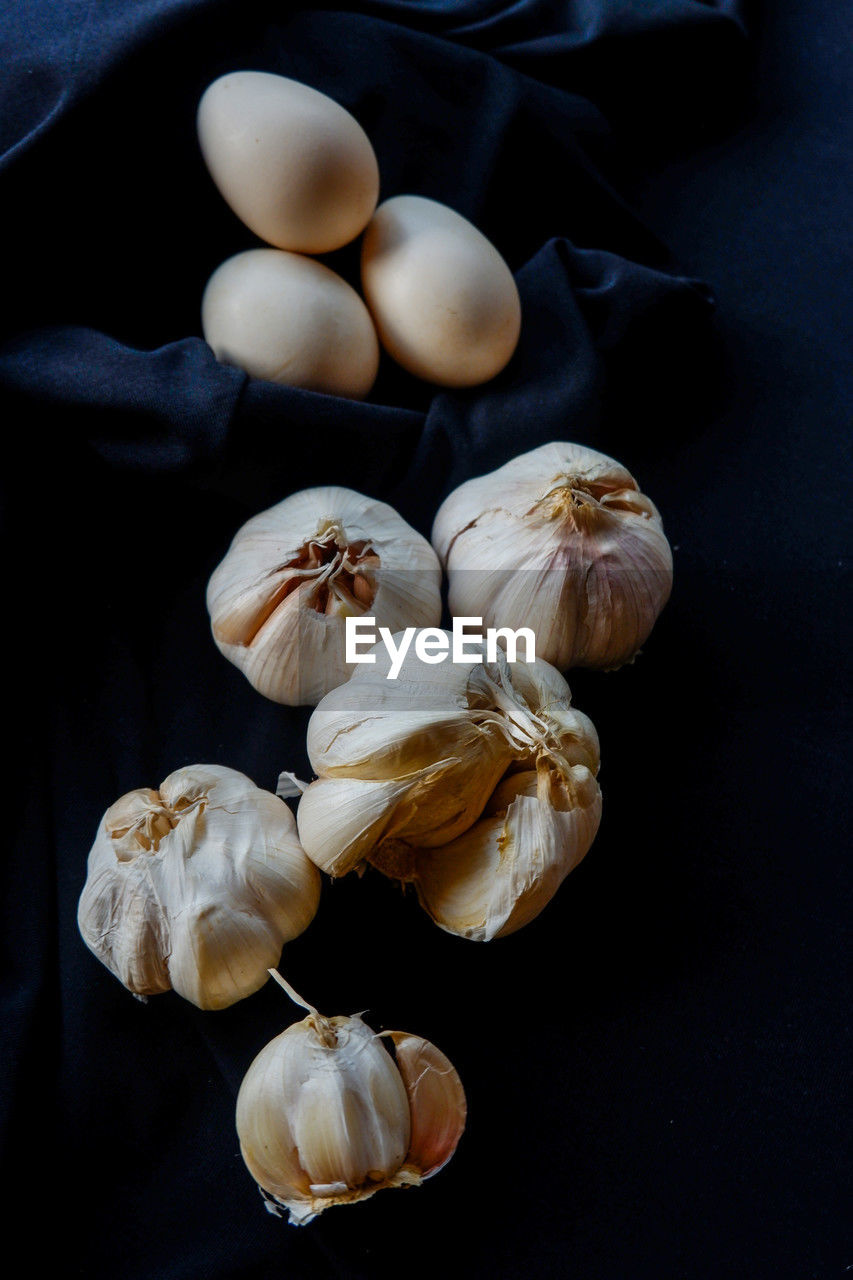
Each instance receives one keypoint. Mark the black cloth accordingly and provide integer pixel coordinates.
(655, 1067)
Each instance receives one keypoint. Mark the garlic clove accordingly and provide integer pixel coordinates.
(572, 734)
(118, 924)
(326, 1115)
(436, 1102)
(353, 735)
(264, 1123)
(252, 605)
(196, 886)
(220, 954)
(342, 822)
(560, 540)
(344, 819)
(460, 885)
(506, 869)
(353, 1123)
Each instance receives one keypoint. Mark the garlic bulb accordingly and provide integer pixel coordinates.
(475, 782)
(279, 600)
(196, 886)
(560, 540)
(329, 1114)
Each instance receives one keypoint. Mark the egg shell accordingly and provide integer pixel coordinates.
(293, 164)
(443, 300)
(291, 320)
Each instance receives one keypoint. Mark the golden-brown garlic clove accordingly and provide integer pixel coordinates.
(436, 1102)
(498, 876)
(196, 886)
(347, 818)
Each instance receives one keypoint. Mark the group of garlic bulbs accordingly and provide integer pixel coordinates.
(473, 781)
(560, 540)
(196, 887)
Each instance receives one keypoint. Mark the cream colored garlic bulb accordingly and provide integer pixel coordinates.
(474, 782)
(196, 886)
(279, 600)
(562, 541)
(329, 1113)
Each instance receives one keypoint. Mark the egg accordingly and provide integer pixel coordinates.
(442, 298)
(295, 166)
(292, 320)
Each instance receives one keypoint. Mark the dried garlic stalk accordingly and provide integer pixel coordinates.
(329, 1114)
(279, 600)
(196, 886)
(562, 541)
(474, 782)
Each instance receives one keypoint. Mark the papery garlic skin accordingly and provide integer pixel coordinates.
(196, 886)
(560, 540)
(326, 1115)
(279, 600)
(475, 782)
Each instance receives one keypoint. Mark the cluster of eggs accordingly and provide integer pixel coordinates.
(301, 173)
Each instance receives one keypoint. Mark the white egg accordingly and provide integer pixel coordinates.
(291, 320)
(295, 166)
(443, 300)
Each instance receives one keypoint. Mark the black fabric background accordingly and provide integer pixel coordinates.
(655, 1068)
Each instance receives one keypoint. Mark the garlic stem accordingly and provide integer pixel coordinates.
(321, 1025)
